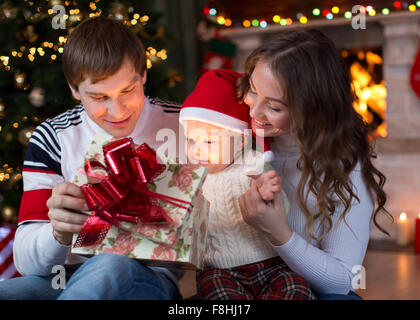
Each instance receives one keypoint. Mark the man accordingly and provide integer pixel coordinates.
(105, 66)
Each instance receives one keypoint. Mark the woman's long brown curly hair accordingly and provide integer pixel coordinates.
(331, 135)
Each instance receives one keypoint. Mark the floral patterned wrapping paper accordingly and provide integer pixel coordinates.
(182, 244)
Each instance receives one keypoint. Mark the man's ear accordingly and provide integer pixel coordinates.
(144, 77)
(75, 92)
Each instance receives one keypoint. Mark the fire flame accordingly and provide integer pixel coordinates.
(368, 92)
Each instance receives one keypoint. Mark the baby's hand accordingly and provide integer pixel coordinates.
(268, 185)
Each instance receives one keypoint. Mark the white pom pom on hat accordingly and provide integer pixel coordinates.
(265, 144)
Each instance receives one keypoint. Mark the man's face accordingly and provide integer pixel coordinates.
(115, 103)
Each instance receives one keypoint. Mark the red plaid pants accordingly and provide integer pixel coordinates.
(270, 279)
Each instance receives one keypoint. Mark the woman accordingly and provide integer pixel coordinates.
(299, 92)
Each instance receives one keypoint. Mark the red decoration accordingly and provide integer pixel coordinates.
(417, 236)
(219, 56)
(415, 74)
(122, 195)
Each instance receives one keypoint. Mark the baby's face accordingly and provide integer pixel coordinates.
(210, 146)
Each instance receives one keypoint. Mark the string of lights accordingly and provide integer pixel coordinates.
(34, 47)
(329, 13)
(51, 49)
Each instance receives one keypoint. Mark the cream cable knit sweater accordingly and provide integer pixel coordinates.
(230, 241)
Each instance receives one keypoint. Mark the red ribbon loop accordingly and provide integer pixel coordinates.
(123, 195)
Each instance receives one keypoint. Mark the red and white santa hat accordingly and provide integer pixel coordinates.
(214, 101)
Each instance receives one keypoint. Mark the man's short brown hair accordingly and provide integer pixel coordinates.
(96, 49)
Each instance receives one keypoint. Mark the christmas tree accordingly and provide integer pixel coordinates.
(32, 84)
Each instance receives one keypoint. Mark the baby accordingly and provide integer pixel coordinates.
(207, 146)
(240, 263)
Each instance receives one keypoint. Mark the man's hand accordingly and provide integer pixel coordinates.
(65, 202)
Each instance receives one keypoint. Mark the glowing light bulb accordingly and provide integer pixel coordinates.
(220, 20)
(303, 20)
(372, 13)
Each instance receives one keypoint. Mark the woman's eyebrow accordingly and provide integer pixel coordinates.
(277, 100)
(268, 98)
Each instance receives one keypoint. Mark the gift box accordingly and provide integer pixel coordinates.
(144, 205)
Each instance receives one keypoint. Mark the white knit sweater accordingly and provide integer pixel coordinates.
(230, 241)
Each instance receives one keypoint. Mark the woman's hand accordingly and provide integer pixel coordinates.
(268, 217)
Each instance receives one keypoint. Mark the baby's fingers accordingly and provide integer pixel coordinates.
(276, 188)
(276, 180)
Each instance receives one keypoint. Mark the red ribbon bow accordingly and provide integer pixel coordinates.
(122, 195)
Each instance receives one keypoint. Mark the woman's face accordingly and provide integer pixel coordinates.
(266, 101)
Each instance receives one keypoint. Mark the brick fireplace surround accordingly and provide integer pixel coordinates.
(398, 153)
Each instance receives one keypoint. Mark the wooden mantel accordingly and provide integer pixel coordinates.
(315, 23)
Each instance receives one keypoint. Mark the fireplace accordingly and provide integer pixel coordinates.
(380, 58)
(365, 66)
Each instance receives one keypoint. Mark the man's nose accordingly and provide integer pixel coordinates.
(116, 108)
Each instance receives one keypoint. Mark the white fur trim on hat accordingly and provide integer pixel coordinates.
(213, 117)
